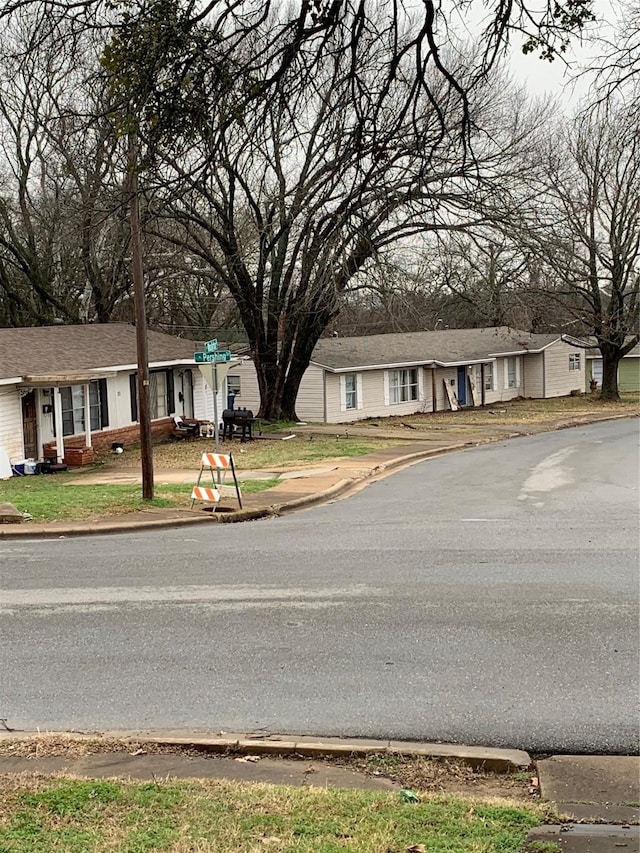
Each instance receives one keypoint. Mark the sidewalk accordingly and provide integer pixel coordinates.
(591, 795)
(300, 487)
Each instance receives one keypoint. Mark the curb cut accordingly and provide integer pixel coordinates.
(496, 760)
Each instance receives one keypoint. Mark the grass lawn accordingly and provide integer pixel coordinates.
(73, 816)
(267, 454)
(515, 412)
(49, 498)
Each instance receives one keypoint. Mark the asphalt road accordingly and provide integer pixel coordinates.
(488, 596)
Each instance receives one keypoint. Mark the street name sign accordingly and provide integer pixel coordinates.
(211, 346)
(212, 357)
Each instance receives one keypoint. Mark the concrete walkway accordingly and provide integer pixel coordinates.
(596, 798)
(300, 487)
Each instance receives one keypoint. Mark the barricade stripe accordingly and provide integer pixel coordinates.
(202, 493)
(216, 460)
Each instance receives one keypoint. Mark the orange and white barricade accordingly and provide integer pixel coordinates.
(219, 464)
(206, 494)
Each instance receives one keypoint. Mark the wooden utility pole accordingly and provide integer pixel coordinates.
(142, 344)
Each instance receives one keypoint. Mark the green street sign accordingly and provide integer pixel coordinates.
(223, 355)
(212, 357)
(211, 346)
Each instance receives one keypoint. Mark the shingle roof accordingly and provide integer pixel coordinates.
(445, 346)
(48, 350)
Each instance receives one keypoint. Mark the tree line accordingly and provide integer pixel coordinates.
(343, 167)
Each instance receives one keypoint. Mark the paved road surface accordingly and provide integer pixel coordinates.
(489, 596)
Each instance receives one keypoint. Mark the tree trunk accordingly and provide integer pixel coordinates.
(610, 361)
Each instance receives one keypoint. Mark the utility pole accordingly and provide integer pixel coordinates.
(142, 344)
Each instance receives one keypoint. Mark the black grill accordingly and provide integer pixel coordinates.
(236, 421)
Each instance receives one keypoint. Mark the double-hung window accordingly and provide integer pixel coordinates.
(350, 391)
(487, 368)
(512, 372)
(161, 394)
(403, 385)
(72, 402)
(574, 361)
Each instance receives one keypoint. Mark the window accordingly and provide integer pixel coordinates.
(574, 361)
(512, 372)
(350, 391)
(72, 400)
(488, 376)
(161, 394)
(233, 385)
(403, 385)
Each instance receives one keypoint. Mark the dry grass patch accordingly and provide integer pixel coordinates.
(516, 412)
(267, 454)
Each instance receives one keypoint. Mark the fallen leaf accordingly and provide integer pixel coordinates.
(417, 848)
(139, 752)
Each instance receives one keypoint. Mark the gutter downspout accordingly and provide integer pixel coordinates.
(324, 395)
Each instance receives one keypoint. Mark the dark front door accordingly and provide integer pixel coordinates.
(30, 425)
(462, 386)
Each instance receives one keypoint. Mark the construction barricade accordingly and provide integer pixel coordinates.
(219, 464)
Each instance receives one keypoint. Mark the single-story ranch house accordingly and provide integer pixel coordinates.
(56, 379)
(398, 374)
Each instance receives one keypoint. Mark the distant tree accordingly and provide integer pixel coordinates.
(588, 228)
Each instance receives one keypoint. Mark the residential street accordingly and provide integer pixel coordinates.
(488, 596)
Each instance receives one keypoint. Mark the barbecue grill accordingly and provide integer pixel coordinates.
(236, 421)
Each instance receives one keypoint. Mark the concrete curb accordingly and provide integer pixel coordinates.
(341, 488)
(496, 760)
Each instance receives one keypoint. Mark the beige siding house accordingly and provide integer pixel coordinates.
(54, 380)
(398, 374)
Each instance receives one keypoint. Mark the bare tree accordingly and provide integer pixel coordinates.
(617, 66)
(63, 232)
(589, 228)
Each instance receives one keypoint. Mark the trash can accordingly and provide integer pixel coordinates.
(231, 396)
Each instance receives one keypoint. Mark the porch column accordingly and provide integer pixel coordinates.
(57, 407)
(87, 416)
(39, 430)
(482, 392)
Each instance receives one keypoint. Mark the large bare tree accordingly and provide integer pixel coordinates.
(589, 228)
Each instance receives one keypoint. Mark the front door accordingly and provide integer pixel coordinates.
(462, 386)
(187, 394)
(30, 425)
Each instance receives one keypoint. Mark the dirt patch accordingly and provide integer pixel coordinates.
(420, 774)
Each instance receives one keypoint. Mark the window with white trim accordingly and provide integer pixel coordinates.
(403, 385)
(72, 403)
(350, 391)
(574, 361)
(511, 372)
(233, 384)
(489, 376)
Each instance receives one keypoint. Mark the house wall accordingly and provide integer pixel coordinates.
(310, 399)
(11, 422)
(444, 375)
(628, 374)
(559, 380)
(249, 396)
(533, 382)
(373, 397)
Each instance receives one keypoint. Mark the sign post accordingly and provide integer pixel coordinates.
(209, 372)
(214, 366)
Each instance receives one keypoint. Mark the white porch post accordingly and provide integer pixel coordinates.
(57, 402)
(39, 431)
(87, 417)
